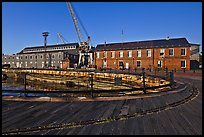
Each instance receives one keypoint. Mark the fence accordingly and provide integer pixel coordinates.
(84, 82)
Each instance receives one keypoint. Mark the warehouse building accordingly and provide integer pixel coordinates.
(152, 54)
(54, 56)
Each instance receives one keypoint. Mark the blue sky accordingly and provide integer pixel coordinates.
(24, 22)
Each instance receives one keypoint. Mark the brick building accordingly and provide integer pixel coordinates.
(151, 54)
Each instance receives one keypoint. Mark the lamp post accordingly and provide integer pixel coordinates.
(45, 34)
(91, 83)
(143, 76)
(36, 61)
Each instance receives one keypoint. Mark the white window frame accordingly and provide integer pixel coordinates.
(120, 54)
(139, 53)
(185, 63)
(104, 54)
(97, 55)
(173, 51)
(112, 54)
(104, 63)
(129, 52)
(148, 52)
(140, 63)
(162, 50)
(127, 65)
(185, 51)
(158, 63)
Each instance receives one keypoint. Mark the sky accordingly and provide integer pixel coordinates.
(110, 22)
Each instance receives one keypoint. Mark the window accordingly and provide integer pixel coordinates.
(97, 55)
(121, 54)
(53, 56)
(104, 54)
(59, 56)
(183, 51)
(148, 53)
(112, 54)
(36, 57)
(138, 53)
(183, 63)
(159, 64)
(138, 63)
(104, 63)
(127, 65)
(121, 65)
(26, 57)
(129, 54)
(171, 52)
(162, 52)
(41, 56)
(30, 57)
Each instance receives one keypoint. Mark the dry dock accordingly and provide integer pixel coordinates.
(173, 114)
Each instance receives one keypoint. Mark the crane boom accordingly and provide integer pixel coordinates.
(75, 22)
(60, 36)
(85, 53)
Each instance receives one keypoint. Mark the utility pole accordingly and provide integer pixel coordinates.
(45, 34)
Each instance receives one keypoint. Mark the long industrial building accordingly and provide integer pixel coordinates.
(57, 56)
(175, 53)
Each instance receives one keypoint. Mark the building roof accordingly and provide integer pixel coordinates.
(69, 51)
(162, 43)
(48, 46)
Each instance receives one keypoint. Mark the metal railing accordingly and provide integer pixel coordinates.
(85, 82)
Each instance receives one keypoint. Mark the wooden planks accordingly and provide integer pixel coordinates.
(185, 119)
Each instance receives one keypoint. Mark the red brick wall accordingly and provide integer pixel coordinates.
(171, 62)
(65, 63)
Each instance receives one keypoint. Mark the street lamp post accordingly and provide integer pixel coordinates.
(143, 75)
(45, 34)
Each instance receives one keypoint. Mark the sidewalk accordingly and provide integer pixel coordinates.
(188, 74)
(191, 74)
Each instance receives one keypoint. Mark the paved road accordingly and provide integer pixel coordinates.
(183, 119)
